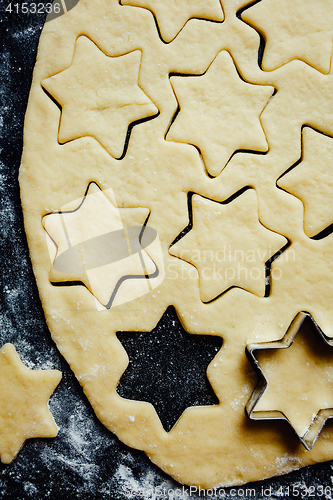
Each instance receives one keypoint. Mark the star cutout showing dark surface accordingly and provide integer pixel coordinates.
(167, 368)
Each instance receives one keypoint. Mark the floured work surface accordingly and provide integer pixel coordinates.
(153, 176)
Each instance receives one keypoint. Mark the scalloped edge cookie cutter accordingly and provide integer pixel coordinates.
(309, 438)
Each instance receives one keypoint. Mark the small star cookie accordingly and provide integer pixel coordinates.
(294, 29)
(103, 103)
(219, 113)
(24, 395)
(228, 245)
(308, 361)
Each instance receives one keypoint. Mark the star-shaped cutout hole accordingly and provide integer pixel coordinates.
(24, 395)
(228, 245)
(295, 379)
(295, 29)
(311, 181)
(94, 243)
(167, 368)
(171, 16)
(103, 101)
(219, 113)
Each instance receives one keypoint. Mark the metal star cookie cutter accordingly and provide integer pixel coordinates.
(309, 438)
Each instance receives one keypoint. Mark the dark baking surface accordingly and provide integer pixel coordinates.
(85, 461)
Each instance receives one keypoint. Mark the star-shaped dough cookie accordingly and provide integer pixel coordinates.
(172, 15)
(103, 101)
(219, 113)
(99, 245)
(298, 387)
(294, 29)
(228, 245)
(24, 394)
(312, 181)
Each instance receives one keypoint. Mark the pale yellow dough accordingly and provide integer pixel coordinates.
(294, 29)
(171, 16)
(213, 445)
(110, 97)
(312, 182)
(24, 395)
(228, 245)
(219, 113)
